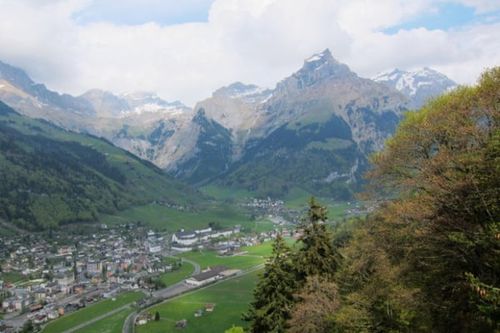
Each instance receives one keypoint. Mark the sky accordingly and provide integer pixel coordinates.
(186, 49)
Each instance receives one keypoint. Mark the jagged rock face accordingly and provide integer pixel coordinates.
(418, 85)
(36, 101)
(236, 107)
(324, 87)
(211, 154)
(105, 103)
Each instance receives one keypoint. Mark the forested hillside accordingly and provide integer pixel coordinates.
(425, 261)
(50, 176)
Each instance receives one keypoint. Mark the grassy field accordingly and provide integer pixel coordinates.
(92, 311)
(111, 324)
(231, 299)
(336, 210)
(12, 277)
(209, 258)
(253, 256)
(297, 198)
(171, 278)
(226, 193)
(168, 219)
(260, 226)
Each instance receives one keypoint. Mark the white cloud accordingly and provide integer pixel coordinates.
(257, 41)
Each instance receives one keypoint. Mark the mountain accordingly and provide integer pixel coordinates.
(211, 154)
(106, 104)
(50, 176)
(313, 131)
(139, 122)
(419, 85)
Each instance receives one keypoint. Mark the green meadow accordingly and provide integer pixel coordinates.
(231, 299)
(168, 219)
(111, 324)
(251, 256)
(12, 277)
(88, 313)
(178, 275)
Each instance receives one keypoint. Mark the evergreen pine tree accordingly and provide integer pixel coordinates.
(273, 295)
(317, 256)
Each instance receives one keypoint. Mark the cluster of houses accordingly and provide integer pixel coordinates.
(268, 207)
(62, 274)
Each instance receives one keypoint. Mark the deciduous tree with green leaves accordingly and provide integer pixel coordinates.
(443, 164)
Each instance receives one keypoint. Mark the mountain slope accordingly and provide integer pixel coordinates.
(49, 176)
(418, 85)
(212, 154)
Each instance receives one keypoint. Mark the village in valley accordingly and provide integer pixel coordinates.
(46, 276)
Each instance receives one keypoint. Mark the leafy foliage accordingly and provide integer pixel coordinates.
(444, 164)
(318, 301)
(235, 329)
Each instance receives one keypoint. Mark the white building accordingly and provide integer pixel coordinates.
(154, 248)
(185, 237)
(207, 276)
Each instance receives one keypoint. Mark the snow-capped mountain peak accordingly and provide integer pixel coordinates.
(238, 90)
(141, 101)
(324, 56)
(418, 85)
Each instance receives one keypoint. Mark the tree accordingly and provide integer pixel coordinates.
(273, 295)
(317, 255)
(235, 329)
(28, 327)
(157, 316)
(443, 164)
(318, 301)
(374, 295)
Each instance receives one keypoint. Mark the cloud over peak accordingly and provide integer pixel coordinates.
(255, 41)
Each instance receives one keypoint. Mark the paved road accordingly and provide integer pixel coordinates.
(17, 320)
(195, 264)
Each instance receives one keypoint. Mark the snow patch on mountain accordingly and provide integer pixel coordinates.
(418, 85)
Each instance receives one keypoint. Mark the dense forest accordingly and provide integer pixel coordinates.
(49, 176)
(427, 260)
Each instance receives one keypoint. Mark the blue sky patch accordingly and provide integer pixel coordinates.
(447, 16)
(129, 12)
